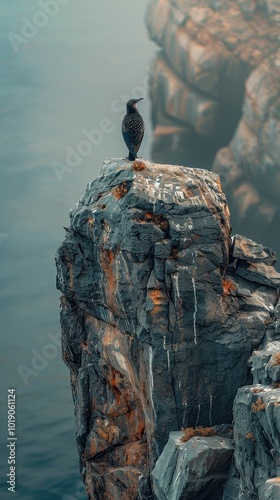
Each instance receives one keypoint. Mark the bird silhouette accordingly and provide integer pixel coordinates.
(133, 128)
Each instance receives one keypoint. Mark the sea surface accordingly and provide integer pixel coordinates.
(59, 80)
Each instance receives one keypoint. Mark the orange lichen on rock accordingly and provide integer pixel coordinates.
(190, 432)
(258, 405)
(138, 165)
(219, 185)
(159, 220)
(256, 390)
(158, 297)
(135, 453)
(250, 435)
(140, 429)
(114, 382)
(275, 359)
(120, 191)
(228, 286)
(106, 261)
(189, 193)
(273, 480)
(93, 449)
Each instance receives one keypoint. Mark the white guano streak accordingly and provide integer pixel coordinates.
(167, 352)
(176, 280)
(151, 377)
(195, 311)
(168, 359)
(198, 415)
(151, 368)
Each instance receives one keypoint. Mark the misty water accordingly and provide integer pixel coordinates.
(72, 73)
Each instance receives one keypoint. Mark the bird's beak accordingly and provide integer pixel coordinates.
(140, 99)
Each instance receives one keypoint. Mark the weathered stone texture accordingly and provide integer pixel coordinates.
(193, 470)
(160, 313)
(256, 465)
(256, 437)
(216, 100)
(210, 47)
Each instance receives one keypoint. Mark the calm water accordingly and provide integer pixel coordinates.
(66, 79)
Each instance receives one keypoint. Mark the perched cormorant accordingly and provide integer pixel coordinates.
(133, 128)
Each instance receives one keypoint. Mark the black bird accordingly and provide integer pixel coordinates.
(133, 128)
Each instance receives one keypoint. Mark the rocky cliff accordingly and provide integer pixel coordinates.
(161, 312)
(216, 99)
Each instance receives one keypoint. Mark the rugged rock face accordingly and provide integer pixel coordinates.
(250, 166)
(257, 427)
(193, 470)
(216, 100)
(161, 311)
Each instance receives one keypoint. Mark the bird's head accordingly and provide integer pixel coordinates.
(131, 105)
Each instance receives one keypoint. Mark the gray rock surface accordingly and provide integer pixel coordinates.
(257, 440)
(160, 313)
(196, 469)
(271, 490)
(256, 465)
(265, 364)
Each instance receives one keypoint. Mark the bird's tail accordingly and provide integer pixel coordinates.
(131, 157)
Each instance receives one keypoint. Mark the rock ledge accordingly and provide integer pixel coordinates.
(161, 311)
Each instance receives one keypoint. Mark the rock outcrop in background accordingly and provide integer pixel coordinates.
(216, 100)
(161, 311)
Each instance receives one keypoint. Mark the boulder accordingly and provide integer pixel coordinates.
(196, 469)
(256, 439)
(160, 313)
